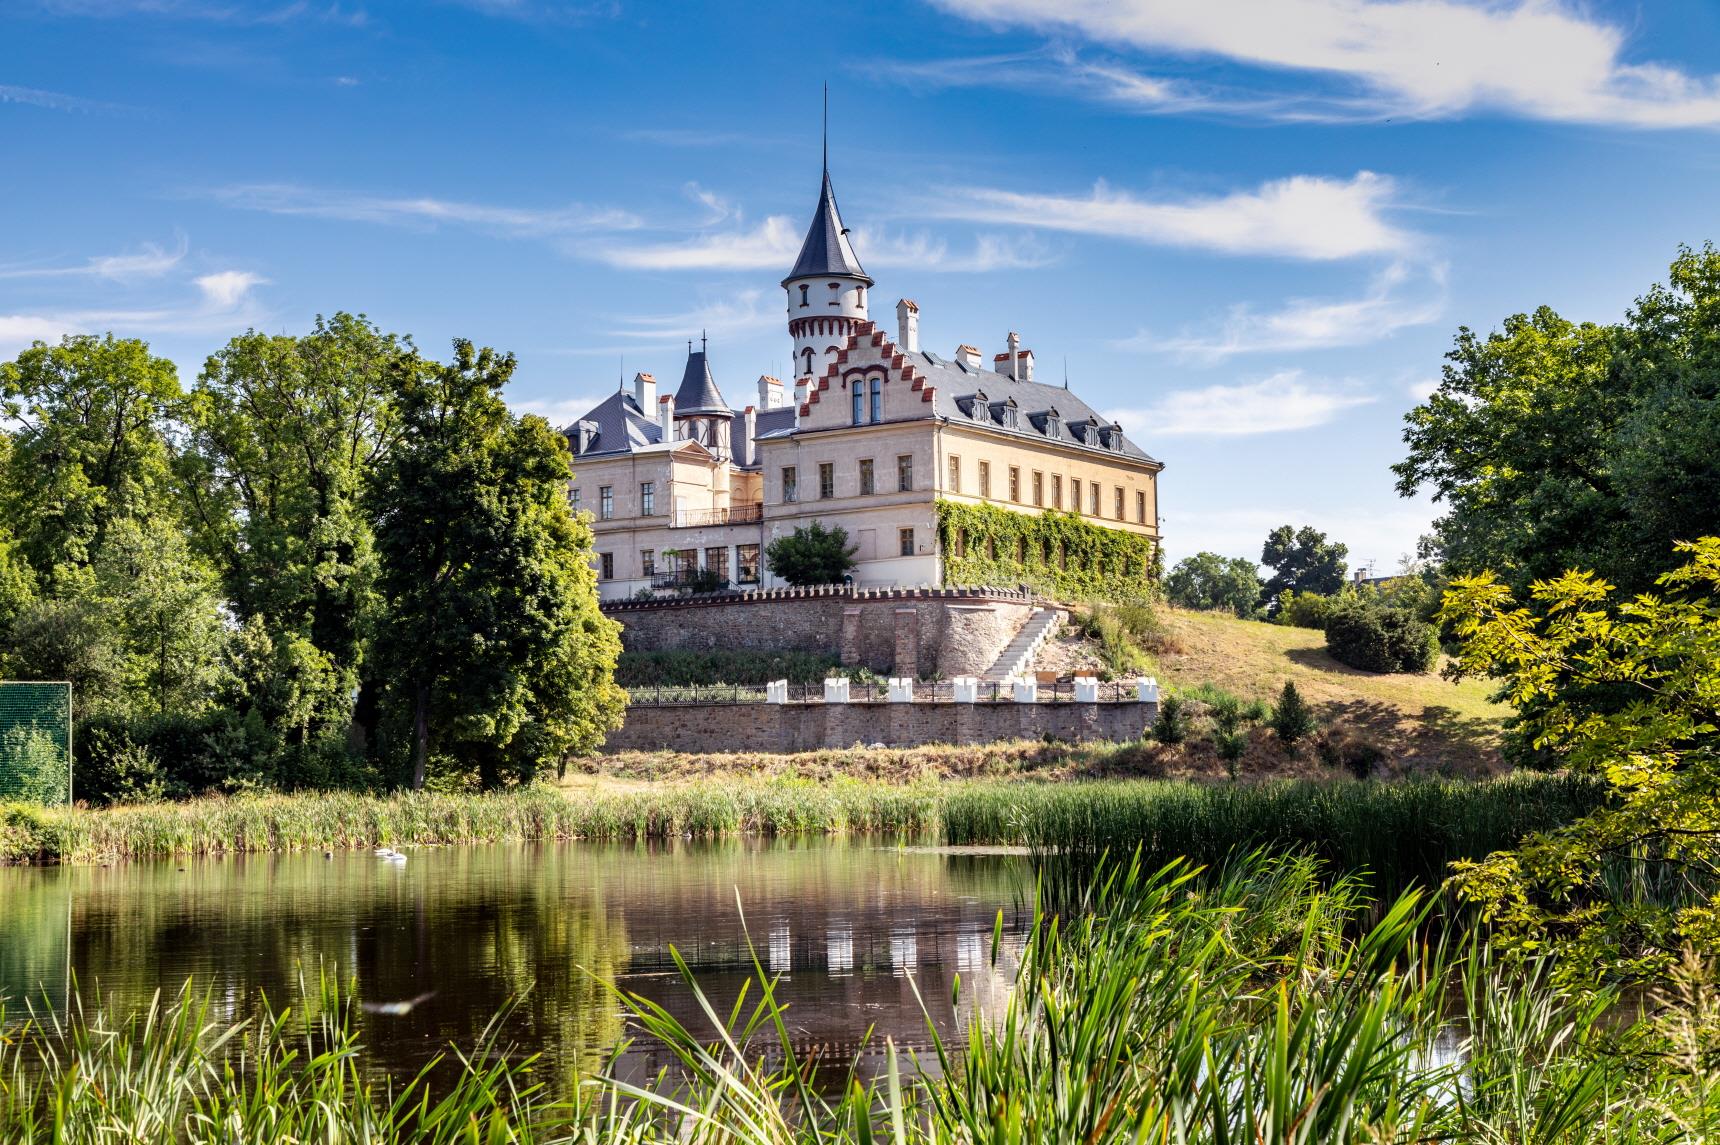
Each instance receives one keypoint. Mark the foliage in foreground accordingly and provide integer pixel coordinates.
(1242, 1006)
(1627, 691)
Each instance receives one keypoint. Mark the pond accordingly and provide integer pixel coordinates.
(438, 944)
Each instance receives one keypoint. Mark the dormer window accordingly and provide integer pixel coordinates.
(1051, 423)
(1010, 420)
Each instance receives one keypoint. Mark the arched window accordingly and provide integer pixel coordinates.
(877, 399)
(806, 356)
(859, 395)
(860, 297)
(803, 289)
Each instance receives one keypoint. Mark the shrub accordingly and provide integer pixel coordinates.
(1375, 638)
(1172, 725)
(1292, 720)
(812, 555)
(1230, 746)
(1357, 756)
(1304, 609)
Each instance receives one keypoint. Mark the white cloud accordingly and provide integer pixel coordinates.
(224, 304)
(1401, 295)
(1544, 59)
(773, 243)
(724, 318)
(1421, 389)
(558, 412)
(1304, 216)
(149, 261)
(923, 252)
(1277, 404)
(421, 211)
(59, 101)
(227, 289)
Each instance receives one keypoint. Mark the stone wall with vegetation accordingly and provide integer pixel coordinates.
(903, 632)
(809, 727)
(1056, 553)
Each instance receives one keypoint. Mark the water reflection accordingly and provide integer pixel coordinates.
(439, 944)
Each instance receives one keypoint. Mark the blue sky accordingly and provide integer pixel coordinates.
(1251, 227)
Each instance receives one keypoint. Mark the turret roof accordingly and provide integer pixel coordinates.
(698, 392)
(827, 250)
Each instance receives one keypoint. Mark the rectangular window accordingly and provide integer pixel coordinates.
(904, 473)
(605, 502)
(1038, 488)
(826, 480)
(877, 398)
(868, 481)
(1015, 484)
(859, 401)
(647, 498)
(573, 496)
(1093, 499)
(955, 474)
(1118, 503)
(746, 564)
(985, 479)
(790, 486)
(906, 539)
(1075, 494)
(606, 566)
(717, 560)
(1056, 491)
(1140, 508)
(647, 562)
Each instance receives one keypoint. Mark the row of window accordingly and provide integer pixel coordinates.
(868, 474)
(868, 398)
(606, 500)
(684, 562)
(835, 291)
(1093, 490)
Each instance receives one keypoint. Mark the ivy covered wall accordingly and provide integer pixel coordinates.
(1056, 553)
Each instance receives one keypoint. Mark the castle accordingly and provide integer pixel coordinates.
(872, 436)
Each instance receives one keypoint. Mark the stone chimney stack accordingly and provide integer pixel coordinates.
(745, 454)
(1015, 355)
(769, 392)
(645, 392)
(908, 326)
(666, 416)
(968, 356)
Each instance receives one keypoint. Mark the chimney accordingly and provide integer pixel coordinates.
(968, 356)
(908, 326)
(666, 416)
(747, 453)
(769, 392)
(1024, 365)
(1013, 368)
(645, 392)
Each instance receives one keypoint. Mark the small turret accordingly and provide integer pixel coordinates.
(826, 289)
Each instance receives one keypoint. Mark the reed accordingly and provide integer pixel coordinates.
(1163, 1006)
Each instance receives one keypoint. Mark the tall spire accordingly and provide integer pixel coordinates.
(826, 135)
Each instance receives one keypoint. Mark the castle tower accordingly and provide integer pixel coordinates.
(701, 414)
(826, 291)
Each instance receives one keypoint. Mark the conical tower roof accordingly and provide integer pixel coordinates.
(827, 250)
(698, 392)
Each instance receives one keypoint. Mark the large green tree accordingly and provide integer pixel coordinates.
(282, 432)
(1557, 445)
(1301, 560)
(497, 657)
(1208, 581)
(812, 554)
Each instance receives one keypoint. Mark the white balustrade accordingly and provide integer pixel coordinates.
(836, 689)
(901, 690)
(1147, 688)
(1025, 691)
(966, 689)
(776, 692)
(1086, 690)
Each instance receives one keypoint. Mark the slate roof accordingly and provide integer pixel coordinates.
(622, 427)
(957, 390)
(698, 392)
(827, 250)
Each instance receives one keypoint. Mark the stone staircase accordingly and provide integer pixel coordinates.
(1017, 655)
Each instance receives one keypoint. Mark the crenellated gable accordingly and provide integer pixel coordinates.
(867, 356)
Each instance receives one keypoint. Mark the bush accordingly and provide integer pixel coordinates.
(812, 555)
(1292, 720)
(1303, 609)
(1172, 725)
(1375, 638)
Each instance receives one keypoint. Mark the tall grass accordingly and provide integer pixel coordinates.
(1241, 1006)
(1404, 833)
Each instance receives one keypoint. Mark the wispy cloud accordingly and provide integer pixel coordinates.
(773, 243)
(742, 313)
(421, 211)
(1281, 403)
(545, 11)
(557, 411)
(1541, 59)
(1304, 216)
(59, 101)
(209, 11)
(1379, 536)
(149, 261)
(1401, 295)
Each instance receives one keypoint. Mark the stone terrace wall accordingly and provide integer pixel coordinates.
(902, 632)
(808, 727)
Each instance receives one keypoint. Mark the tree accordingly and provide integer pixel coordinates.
(1292, 720)
(1208, 581)
(1302, 560)
(1626, 690)
(812, 554)
(498, 658)
(283, 431)
(1557, 445)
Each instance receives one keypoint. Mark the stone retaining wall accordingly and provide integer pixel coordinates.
(894, 632)
(808, 727)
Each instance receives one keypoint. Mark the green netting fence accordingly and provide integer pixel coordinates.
(35, 741)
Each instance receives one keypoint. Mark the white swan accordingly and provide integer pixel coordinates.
(390, 854)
